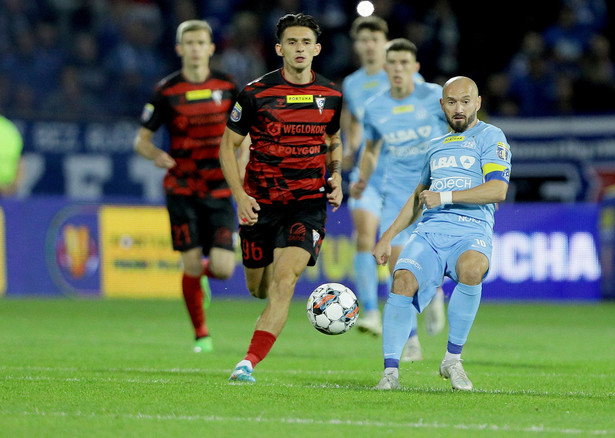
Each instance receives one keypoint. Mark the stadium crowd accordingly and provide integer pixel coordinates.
(100, 58)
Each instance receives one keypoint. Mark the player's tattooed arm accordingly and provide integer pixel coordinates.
(334, 166)
(334, 153)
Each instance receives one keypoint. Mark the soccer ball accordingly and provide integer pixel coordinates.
(332, 308)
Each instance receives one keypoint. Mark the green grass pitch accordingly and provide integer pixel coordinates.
(117, 368)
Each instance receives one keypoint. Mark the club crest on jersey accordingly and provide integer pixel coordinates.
(148, 111)
(503, 151)
(236, 113)
(216, 96)
(320, 103)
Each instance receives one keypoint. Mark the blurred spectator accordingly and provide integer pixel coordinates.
(590, 14)
(534, 92)
(71, 100)
(85, 61)
(115, 49)
(242, 52)
(566, 39)
(595, 89)
(135, 64)
(497, 101)
(442, 22)
(532, 46)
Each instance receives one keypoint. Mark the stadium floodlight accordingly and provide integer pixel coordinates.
(365, 8)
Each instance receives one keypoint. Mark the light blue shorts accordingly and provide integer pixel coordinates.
(370, 200)
(431, 256)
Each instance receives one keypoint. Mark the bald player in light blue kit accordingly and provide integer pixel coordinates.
(398, 124)
(465, 173)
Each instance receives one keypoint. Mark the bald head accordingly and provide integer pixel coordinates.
(460, 84)
(460, 103)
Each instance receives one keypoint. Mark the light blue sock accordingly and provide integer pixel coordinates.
(462, 309)
(366, 280)
(414, 328)
(396, 326)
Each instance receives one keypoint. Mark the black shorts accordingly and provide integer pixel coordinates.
(204, 222)
(279, 226)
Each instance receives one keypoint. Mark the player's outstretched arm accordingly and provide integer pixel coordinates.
(334, 165)
(247, 207)
(145, 147)
(409, 213)
(487, 193)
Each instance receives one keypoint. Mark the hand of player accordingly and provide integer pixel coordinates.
(356, 189)
(247, 210)
(429, 199)
(164, 160)
(335, 194)
(382, 251)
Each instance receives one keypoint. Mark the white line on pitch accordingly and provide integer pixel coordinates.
(334, 421)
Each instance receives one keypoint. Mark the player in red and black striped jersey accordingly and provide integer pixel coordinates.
(194, 104)
(292, 116)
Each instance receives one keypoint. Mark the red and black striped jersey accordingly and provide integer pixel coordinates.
(287, 124)
(195, 115)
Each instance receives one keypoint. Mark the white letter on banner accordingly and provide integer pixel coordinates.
(34, 168)
(516, 261)
(583, 258)
(85, 175)
(150, 177)
(549, 255)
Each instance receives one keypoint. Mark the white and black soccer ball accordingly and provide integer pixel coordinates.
(332, 308)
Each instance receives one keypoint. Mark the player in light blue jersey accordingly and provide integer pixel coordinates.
(466, 172)
(398, 124)
(370, 37)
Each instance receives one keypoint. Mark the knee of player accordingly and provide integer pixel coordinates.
(404, 283)
(471, 275)
(223, 272)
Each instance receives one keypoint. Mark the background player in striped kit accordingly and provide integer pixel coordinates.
(194, 104)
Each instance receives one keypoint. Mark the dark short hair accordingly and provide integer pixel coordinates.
(401, 45)
(292, 20)
(373, 23)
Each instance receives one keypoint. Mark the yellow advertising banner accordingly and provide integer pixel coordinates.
(137, 256)
(2, 255)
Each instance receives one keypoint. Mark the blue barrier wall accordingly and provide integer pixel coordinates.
(54, 247)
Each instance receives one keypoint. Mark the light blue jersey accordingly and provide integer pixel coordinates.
(358, 88)
(461, 161)
(405, 127)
